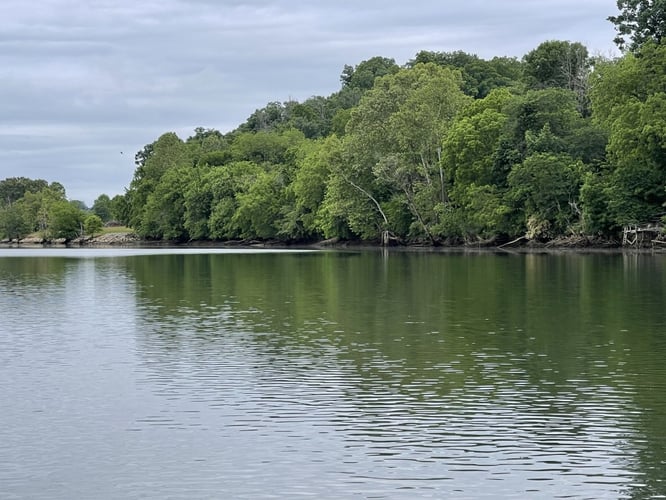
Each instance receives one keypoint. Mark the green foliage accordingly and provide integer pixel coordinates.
(66, 220)
(302, 219)
(119, 208)
(449, 148)
(546, 188)
(363, 76)
(557, 63)
(163, 215)
(92, 224)
(394, 142)
(225, 184)
(168, 152)
(259, 206)
(39, 207)
(81, 205)
(553, 108)
(15, 223)
(469, 145)
(13, 189)
(266, 147)
(629, 100)
(595, 193)
(197, 199)
(102, 207)
(639, 22)
(266, 119)
(479, 76)
(482, 212)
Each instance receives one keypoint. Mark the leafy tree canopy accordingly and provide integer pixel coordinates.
(12, 189)
(639, 22)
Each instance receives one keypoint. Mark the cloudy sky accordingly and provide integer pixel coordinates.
(85, 84)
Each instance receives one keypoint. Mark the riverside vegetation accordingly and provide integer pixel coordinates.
(448, 149)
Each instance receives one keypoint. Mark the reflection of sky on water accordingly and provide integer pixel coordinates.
(119, 385)
(92, 252)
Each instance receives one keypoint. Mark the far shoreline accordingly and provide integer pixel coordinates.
(131, 240)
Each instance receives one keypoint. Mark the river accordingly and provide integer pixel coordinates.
(196, 374)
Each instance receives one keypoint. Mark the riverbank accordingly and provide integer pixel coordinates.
(131, 239)
(105, 239)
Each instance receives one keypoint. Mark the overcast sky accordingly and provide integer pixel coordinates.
(83, 80)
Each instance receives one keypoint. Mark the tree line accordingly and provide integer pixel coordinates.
(449, 148)
(33, 205)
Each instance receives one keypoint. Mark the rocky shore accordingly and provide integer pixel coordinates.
(107, 239)
(130, 238)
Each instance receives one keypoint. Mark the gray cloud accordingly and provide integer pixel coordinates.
(83, 81)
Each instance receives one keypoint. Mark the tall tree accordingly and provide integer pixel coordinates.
(12, 189)
(364, 74)
(562, 64)
(639, 22)
(546, 188)
(394, 140)
(167, 152)
(102, 207)
(476, 208)
(66, 220)
(480, 76)
(557, 63)
(163, 214)
(628, 99)
(14, 221)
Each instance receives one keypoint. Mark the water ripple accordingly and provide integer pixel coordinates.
(137, 395)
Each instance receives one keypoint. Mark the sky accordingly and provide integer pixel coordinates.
(85, 84)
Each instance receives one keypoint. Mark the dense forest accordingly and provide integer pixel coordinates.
(448, 149)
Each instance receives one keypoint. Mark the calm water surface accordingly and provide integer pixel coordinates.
(128, 374)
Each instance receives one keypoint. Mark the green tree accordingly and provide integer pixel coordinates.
(267, 119)
(307, 190)
(14, 221)
(470, 143)
(394, 141)
(92, 224)
(558, 63)
(39, 207)
(163, 215)
(119, 209)
(541, 120)
(66, 220)
(102, 207)
(639, 22)
(81, 205)
(546, 187)
(168, 152)
(364, 74)
(479, 76)
(204, 144)
(562, 64)
(198, 198)
(266, 147)
(595, 194)
(13, 189)
(260, 206)
(313, 117)
(629, 101)
(351, 207)
(477, 208)
(225, 184)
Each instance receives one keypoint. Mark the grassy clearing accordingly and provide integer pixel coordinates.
(118, 229)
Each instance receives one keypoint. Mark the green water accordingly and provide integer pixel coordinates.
(161, 374)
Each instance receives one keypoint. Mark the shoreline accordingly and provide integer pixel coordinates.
(131, 240)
